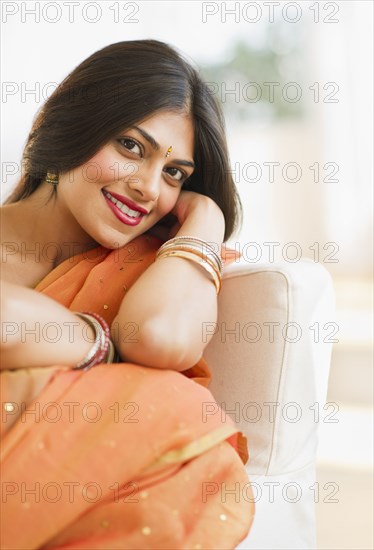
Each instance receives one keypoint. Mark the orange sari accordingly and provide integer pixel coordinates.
(121, 456)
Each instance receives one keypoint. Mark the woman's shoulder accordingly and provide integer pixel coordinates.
(17, 268)
(19, 261)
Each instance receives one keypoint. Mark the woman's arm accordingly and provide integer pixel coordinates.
(36, 331)
(172, 299)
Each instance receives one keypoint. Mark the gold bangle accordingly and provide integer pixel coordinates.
(185, 239)
(189, 247)
(195, 258)
(205, 260)
(209, 251)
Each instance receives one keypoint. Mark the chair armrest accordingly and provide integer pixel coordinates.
(270, 358)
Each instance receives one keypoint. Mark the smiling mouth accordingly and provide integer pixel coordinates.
(125, 209)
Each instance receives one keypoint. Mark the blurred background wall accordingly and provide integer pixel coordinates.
(295, 83)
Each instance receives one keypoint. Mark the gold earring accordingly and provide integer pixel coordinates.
(51, 178)
(169, 151)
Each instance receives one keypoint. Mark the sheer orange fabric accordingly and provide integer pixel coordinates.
(121, 456)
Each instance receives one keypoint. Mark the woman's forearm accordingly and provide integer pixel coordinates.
(171, 301)
(37, 331)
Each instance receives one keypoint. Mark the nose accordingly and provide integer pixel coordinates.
(145, 183)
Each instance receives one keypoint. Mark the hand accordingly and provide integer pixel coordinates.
(187, 203)
(187, 200)
(166, 228)
(170, 224)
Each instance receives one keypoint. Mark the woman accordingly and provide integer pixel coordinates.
(125, 200)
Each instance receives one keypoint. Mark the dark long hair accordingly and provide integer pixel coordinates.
(114, 89)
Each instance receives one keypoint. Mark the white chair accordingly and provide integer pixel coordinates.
(270, 361)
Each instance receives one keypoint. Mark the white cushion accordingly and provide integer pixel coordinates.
(250, 377)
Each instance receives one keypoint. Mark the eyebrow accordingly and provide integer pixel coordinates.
(156, 147)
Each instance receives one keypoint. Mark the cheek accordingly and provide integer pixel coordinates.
(107, 166)
(168, 201)
(99, 168)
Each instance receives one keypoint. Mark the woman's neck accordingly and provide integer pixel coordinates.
(40, 225)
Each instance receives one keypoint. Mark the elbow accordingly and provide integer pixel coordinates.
(170, 349)
(156, 345)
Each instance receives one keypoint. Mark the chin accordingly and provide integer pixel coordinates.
(114, 243)
(112, 239)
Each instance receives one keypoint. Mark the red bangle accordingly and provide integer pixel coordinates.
(99, 351)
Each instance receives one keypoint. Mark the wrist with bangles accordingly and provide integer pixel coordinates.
(196, 250)
(185, 246)
(102, 350)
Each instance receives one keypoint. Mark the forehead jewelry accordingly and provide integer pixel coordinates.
(169, 151)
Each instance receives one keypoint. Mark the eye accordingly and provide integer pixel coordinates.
(131, 145)
(176, 174)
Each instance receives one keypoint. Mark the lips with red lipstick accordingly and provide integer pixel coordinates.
(124, 209)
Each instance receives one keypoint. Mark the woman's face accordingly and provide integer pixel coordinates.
(133, 167)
